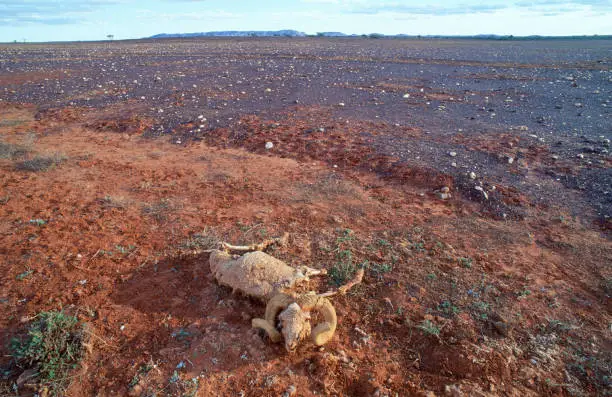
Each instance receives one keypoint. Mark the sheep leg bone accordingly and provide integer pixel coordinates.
(346, 287)
(256, 247)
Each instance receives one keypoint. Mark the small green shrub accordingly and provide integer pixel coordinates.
(429, 328)
(341, 272)
(447, 307)
(24, 275)
(344, 269)
(466, 262)
(125, 250)
(53, 346)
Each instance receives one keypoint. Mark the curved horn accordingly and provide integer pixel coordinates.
(273, 334)
(275, 305)
(324, 331)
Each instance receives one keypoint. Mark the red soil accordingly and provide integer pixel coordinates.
(522, 307)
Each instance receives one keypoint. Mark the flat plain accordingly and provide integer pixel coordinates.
(471, 179)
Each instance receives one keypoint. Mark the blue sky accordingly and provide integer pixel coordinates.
(46, 20)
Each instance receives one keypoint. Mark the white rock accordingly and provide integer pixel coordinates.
(406, 96)
(290, 392)
(452, 154)
(480, 189)
(472, 175)
(269, 145)
(443, 196)
(341, 104)
(510, 160)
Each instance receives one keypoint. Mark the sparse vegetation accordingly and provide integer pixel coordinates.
(11, 151)
(40, 163)
(125, 250)
(466, 262)
(53, 346)
(448, 308)
(159, 210)
(24, 275)
(525, 292)
(113, 202)
(205, 240)
(11, 123)
(329, 186)
(344, 269)
(142, 372)
(378, 269)
(429, 328)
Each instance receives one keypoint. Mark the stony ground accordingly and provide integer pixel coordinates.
(470, 178)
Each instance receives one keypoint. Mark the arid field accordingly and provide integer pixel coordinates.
(470, 179)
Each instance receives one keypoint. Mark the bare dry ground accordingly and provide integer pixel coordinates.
(120, 160)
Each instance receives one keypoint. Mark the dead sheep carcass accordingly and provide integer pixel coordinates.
(259, 275)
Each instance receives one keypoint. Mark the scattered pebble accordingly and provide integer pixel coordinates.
(291, 391)
(269, 145)
(472, 175)
(443, 196)
(480, 189)
(452, 154)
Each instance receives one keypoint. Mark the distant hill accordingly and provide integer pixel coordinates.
(332, 34)
(234, 33)
(295, 33)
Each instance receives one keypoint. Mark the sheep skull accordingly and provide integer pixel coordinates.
(295, 325)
